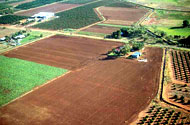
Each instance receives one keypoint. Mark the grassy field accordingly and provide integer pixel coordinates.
(34, 35)
(18, 77)
(7, 31)
(111, 25)
(91, 34)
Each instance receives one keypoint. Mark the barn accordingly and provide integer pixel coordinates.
(136, 55)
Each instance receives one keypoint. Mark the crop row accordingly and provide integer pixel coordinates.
(181, 65)
(78, 1)
(157, 115)
(35, 3)
(75, 18)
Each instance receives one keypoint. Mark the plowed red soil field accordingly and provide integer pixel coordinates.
(122, 16)
(64, 52)
(57, 7)
(101, 29)
(105, 92)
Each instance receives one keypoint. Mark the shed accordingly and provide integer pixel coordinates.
(43, 15)
(136, 55)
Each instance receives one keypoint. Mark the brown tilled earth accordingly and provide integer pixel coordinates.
(57, 7)
(104, 92)
(101, 29)
(64, 52)
(115, 15)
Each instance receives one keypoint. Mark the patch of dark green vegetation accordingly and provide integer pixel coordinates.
(121, 4)
(75, 18)
(35, 3)
(12, 1)
(18, 77)
(79, 1)
(5, 9)
(11, 19)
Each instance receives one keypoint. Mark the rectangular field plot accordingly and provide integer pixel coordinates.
(122, 16)
(64, 52)
(101, 29)
(18, 77)
(57, 7)
(106, 92)
(181, 65)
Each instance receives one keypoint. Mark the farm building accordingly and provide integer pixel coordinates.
(136, 55)
(43, 15)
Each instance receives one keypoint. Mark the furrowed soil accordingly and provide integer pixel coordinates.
(64, 52)
(122, 16)
(101, 29)
(104, 92)
(57, 7)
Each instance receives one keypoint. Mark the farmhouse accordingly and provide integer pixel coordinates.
(43, 15)
(136, 55)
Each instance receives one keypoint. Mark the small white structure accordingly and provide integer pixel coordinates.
(2, 39)
(43, 15)
(19, 37)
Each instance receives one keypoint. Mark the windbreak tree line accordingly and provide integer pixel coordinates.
(11, 19)
(75, 18)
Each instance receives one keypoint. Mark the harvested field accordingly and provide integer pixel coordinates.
(7, 32)
(101, 29)
(57, 7)
(104, 92)
(64, 52)
(122, 16)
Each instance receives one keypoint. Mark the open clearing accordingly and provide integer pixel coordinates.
(57, 7)
(122, 16)
(104, 92)
(101, 29)
(64, 52)
(7, 31)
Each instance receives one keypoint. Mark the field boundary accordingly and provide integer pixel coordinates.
(36, 88)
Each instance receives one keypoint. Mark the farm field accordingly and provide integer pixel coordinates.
(64, 52)
(101, 29)
(19, 76)
(7, 31)
(57, 7)
(20, 2)
(103, 92)
(122, 16)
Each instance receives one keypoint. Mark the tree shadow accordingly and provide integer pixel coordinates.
(179, 27)
(108, 58)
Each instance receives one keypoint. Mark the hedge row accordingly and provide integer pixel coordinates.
(75, 18)
(11, 19)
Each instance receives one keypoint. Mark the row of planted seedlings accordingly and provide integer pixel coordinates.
(157, 115)
(181, 66)
(180, 94)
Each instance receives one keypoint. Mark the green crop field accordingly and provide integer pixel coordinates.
(75, 18)
(18, 77)
(78, 1)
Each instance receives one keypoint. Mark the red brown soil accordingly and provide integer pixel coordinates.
(57, 7)
(101, 29)
(105, 92)
(64, 52)
(117, 15)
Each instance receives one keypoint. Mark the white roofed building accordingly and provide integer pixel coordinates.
(44, 15)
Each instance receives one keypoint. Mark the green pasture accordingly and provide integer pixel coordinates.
(18, 77)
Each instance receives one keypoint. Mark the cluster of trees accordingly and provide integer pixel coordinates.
(78, 1)
(35, 3)
(123, 50)
(184, 42)
(11, 19)
(75, 18)
(129, 32)
(186, 24)
(5, 9)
